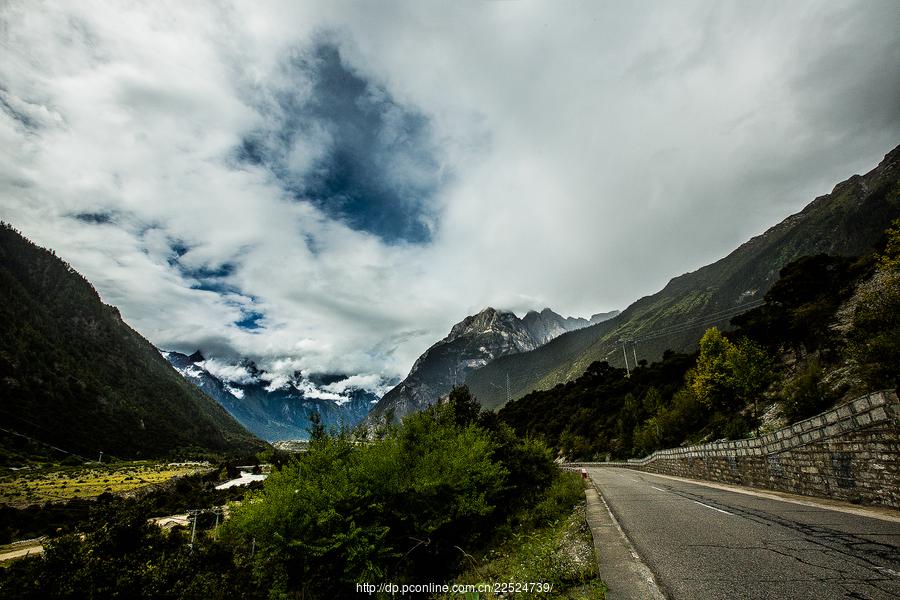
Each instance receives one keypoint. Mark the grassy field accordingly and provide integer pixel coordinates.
(22, 488)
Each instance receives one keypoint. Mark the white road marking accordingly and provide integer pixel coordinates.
(657, 489)
(713, 507)
(872, 512)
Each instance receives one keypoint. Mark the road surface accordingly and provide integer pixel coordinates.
(705, 543)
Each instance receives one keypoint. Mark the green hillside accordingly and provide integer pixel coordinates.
(846, 222)
(75, 376)
(827, 332)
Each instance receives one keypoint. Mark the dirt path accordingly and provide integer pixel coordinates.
(21, 550)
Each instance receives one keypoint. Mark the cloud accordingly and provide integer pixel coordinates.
(327, 187)
(371, 382)
(341, 142)
(229, 373)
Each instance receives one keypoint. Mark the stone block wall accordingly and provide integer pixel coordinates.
(850, 453)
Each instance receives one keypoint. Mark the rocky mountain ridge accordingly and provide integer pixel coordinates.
(273, 409)
(471, 344)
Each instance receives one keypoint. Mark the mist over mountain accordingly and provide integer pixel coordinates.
(545, 325)
(284, 266)
(846, 222)
(471, 344)
(280, 408)
(309, 195)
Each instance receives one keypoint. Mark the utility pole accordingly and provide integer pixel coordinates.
(508, 394)
(100, 460)
(625, 355)
(634, 351)
(195, 513)
(756, 414)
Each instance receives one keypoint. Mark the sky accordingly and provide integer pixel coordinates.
(330, 186)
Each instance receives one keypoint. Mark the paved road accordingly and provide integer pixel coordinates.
(706, 543)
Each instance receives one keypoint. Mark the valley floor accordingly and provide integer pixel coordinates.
(58, 484)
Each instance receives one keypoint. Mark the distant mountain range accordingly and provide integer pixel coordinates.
(471, 344)
(74, 376)
(848, 222)
(279, 410)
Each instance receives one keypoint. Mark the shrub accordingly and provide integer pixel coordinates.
(804, 394)
(396, 509)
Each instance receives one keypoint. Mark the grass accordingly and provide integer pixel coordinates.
(559, 552)
(54, 484)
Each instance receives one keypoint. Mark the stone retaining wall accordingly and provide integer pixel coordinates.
(849, 453)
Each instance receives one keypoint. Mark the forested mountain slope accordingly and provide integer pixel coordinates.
(74, 375)
(846, 222)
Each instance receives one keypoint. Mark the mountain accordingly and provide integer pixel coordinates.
(846, 222)
(75, 376)
(281, 410)
(472, 343)
(545, 325)
(600, 317)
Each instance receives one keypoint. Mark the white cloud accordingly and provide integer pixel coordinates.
(585, 152)
(228, 373)
(236, 392)
(372, 382)
(310, 390)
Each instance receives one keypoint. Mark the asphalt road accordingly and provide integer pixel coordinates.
(705, 543)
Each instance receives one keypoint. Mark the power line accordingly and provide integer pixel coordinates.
(51, 446)
(508, 393)
(508, 389)
(717, 315)
(195, 513)
(670, 330)
(688, 327)
(693, 323)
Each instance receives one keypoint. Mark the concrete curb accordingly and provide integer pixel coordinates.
(627, 577)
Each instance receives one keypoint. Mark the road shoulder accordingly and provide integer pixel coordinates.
(624, 573)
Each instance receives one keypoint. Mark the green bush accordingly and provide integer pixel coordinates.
(804, 394)
(408, 507)
(556, 502)
(402, 508)
(120, 555)
(875, 333)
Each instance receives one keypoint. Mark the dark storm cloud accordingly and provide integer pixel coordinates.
(235, 179)
(370, 159)
(97, 218)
